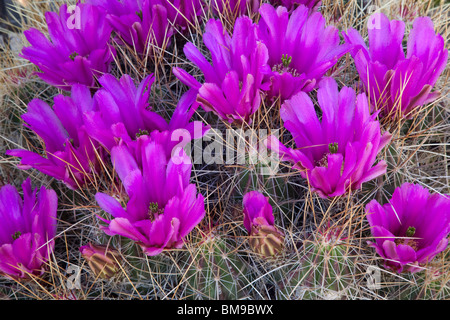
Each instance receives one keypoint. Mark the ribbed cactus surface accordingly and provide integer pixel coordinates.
(325, 270)
(215, 271)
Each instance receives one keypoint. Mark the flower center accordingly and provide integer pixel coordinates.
(16, 235)
(284, 66)
(323, 162)
(154, 211)
(141, 133)
(413, 243)
(73, 56)
(333, 147)
(410, 232)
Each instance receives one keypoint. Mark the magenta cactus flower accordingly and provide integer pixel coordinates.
(27, 230)
(265, 238)
(397, 83)
(71, 156)
(140, 24)
(144, 24)
(411, 229)
(124, 112)
(163, 207)
(78, 51)
(292, 4)
(337, 153)
(233, 82)
(301, 49)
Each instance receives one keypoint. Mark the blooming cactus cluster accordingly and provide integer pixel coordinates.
(283, 54)
(83, 130)
(279, 56)
(119, 119)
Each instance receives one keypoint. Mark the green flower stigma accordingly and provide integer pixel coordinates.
(140, 15)
(286, 60)
(16, 235)
(153, 207)
(141, 133)
(154, 211)
(73, 55)
(410, 232)
(283, 67)
(333, 147)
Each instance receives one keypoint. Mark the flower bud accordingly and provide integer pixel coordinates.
(264, 237)
(103, 261)
(266, 240)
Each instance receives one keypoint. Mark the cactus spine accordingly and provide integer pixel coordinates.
(215, 271)
(325, 270)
